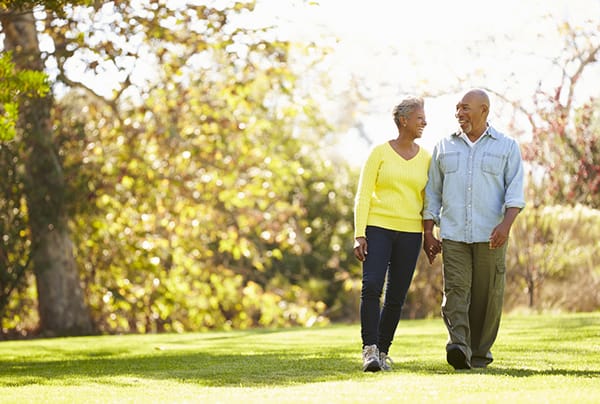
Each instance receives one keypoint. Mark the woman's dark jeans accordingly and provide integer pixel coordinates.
(394, 253)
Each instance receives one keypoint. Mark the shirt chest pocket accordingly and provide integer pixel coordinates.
(449, 162)
(492, 163)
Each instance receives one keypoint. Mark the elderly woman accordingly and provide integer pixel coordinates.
(388, 228)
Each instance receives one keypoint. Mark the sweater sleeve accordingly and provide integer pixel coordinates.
(366, 186)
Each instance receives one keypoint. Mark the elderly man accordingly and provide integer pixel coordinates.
(474, 193)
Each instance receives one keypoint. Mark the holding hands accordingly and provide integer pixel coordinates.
(432, 246)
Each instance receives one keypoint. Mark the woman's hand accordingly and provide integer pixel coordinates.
(360, 248)
(432, 246)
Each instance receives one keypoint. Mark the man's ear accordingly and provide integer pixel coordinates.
(485, 109)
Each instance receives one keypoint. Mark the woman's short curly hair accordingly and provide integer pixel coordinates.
(406, 107)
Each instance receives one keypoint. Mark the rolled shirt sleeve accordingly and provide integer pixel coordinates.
(514, 177)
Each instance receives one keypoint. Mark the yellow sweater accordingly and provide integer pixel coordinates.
(391, 191)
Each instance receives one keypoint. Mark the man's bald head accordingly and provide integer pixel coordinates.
(479, 95)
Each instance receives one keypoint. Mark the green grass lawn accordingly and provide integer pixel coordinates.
(539, 359)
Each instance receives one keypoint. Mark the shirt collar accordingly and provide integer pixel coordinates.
(489, 131)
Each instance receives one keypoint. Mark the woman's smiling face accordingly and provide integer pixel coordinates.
(416, 122)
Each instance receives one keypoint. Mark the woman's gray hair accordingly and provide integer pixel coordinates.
(406, 107)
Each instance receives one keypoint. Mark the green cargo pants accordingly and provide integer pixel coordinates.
(474, 277)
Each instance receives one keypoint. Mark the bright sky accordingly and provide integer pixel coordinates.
(401, 47)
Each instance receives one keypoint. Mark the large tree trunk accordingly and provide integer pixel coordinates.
(62, 307)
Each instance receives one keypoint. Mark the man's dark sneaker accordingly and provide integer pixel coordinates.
(457, 358)
(477, 362)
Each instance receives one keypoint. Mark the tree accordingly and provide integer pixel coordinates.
(14, 254)
(62, 307)
(198, 197)
(564, 151)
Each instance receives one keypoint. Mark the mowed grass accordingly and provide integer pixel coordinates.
(539, 359)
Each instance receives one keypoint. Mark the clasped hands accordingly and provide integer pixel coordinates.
(432, 246)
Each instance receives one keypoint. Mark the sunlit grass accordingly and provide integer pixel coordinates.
(538, 359)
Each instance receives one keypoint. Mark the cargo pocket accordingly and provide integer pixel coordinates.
(500, 275)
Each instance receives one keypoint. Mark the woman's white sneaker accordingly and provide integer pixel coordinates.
(385, 362)
(370, 355)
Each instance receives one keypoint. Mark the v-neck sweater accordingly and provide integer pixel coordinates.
(391, 191)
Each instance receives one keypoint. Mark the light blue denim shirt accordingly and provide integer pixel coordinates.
(469, 188)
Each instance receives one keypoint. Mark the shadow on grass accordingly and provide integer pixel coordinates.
(506, 371)
(202, 368)
(494, 370)
(291, 356)
(222, 370)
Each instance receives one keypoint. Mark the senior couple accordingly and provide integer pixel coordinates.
(471, 187)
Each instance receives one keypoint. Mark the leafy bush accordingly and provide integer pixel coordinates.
(554, 258)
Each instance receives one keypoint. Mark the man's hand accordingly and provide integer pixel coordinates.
(499, 235)
(360, 248)
(432, 246)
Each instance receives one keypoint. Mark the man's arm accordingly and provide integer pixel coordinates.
(431, 210)
(514, 197)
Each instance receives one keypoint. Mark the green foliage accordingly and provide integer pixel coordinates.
(13, 86)
(426, 290)
(204, 202)
(555, 245)
(553, 263)
(14, 243)
(537, 359)
(8, 120)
